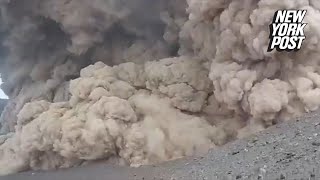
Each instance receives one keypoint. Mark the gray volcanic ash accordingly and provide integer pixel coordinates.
(138, 82)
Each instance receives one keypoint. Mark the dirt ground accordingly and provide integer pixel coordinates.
(287, 151)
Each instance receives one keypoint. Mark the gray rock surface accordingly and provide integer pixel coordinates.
(289, 150)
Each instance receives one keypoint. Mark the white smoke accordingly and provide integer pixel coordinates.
(175, 80)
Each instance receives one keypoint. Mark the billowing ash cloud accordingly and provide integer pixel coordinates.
(46, 43)
(140, 82)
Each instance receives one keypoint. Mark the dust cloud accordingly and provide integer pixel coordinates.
(141, 82)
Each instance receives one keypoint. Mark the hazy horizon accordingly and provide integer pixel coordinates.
(2, 94)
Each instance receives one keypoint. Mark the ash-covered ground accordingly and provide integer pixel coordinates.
(138, 82)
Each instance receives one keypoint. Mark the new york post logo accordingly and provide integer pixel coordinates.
(287, 30)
